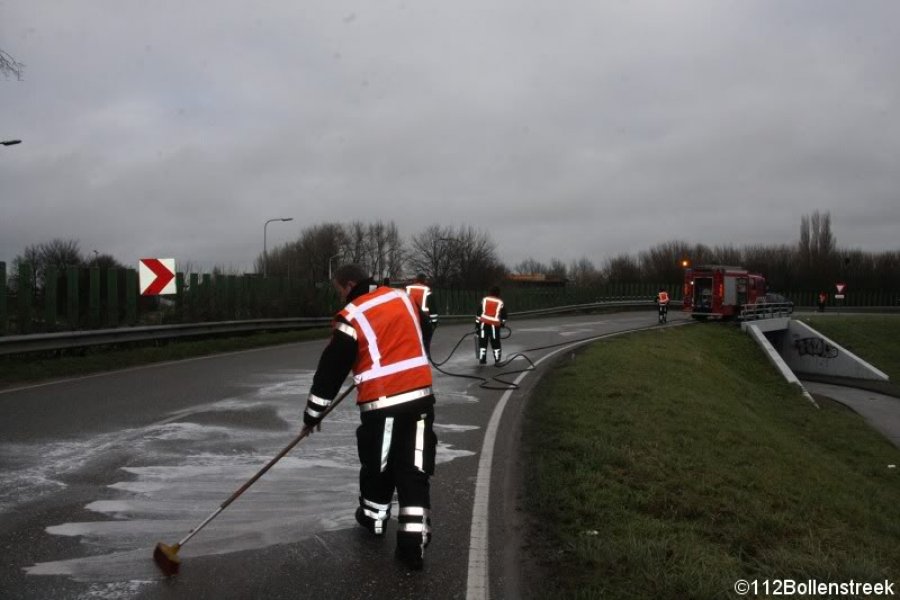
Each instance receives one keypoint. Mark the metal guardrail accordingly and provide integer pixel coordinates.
(42, 342)
(766, 310)
(20, 344)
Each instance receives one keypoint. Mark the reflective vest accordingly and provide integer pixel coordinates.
(391, 365)
(490, 310)
(419, 294)
(663, 297)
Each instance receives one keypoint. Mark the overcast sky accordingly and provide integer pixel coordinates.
(176, 128)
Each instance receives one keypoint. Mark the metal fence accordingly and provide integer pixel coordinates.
(81, 298)
(90, 298)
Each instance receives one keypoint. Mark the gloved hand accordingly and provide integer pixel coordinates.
(310, 422)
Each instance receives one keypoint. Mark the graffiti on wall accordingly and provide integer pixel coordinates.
(813, 346)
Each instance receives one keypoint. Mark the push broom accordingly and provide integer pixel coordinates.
(166, 556)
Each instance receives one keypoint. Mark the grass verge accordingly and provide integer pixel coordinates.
(875, 338)
(671, 463)
(34, 368)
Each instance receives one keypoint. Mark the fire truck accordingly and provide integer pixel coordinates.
(718, 291)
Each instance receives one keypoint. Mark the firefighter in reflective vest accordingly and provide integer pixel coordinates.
(378, 336)
(491, 316)
(662, 299)
(420, 294)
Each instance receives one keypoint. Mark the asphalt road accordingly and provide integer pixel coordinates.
(95, 471)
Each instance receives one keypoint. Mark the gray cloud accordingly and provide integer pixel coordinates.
(570, 129)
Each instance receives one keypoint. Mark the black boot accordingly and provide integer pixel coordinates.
(411, 556)
(377, 529)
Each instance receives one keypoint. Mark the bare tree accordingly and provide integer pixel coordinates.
(662, 263)
(622, 269)
(464, 257)
(385, 250)
(105, 261)
(476, 262)
(530, 266)
(430, 253)
(355, 246)
(10, 66)
(584, 273)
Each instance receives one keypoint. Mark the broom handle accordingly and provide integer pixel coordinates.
(303, 433)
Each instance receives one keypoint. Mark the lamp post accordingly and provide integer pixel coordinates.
(329, 264)
(265, 254)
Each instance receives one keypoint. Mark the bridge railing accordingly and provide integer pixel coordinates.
(766, 310)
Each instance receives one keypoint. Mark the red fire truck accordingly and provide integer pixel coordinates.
(718, 292)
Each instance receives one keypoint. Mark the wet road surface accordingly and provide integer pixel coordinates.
(95, 471)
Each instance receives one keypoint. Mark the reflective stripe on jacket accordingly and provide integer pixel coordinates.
(419, 294)
(490, 310)
(391, 357)
(663, 298)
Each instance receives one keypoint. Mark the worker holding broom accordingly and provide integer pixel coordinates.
(378, 335)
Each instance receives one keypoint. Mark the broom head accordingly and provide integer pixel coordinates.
(166, 558)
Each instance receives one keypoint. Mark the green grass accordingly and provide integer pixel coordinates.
(34, 368)
(670, 464)
(875, 338)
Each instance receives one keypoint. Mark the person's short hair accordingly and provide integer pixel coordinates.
(350, 272)
(495, 291)
(420, 277)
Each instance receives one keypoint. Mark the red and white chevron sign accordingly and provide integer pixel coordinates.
(156, 276)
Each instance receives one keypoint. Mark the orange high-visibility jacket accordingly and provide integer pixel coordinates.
(663, 298)
(490, 310)
(391, 359)
(419, 294)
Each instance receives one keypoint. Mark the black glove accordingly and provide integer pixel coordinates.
(310, 421)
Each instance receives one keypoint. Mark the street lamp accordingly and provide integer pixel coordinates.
(329, 264)
(265, 254)
(11, 142)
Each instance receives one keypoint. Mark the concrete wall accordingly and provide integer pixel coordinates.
(772, 353)
(805, 350)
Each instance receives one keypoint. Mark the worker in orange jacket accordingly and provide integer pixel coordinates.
(378, 336)
(662, 301)
(491, 316)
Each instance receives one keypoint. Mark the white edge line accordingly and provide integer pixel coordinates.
(477, 583)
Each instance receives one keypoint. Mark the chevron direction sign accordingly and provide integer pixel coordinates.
(156, 276)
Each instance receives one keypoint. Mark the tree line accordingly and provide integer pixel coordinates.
(464, 257)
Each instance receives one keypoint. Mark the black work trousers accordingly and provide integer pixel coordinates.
(397, 448)
(488, 332)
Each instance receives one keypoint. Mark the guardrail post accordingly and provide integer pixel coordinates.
(131, 290)
(3, 315)
(50, 299)
(112, 297)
